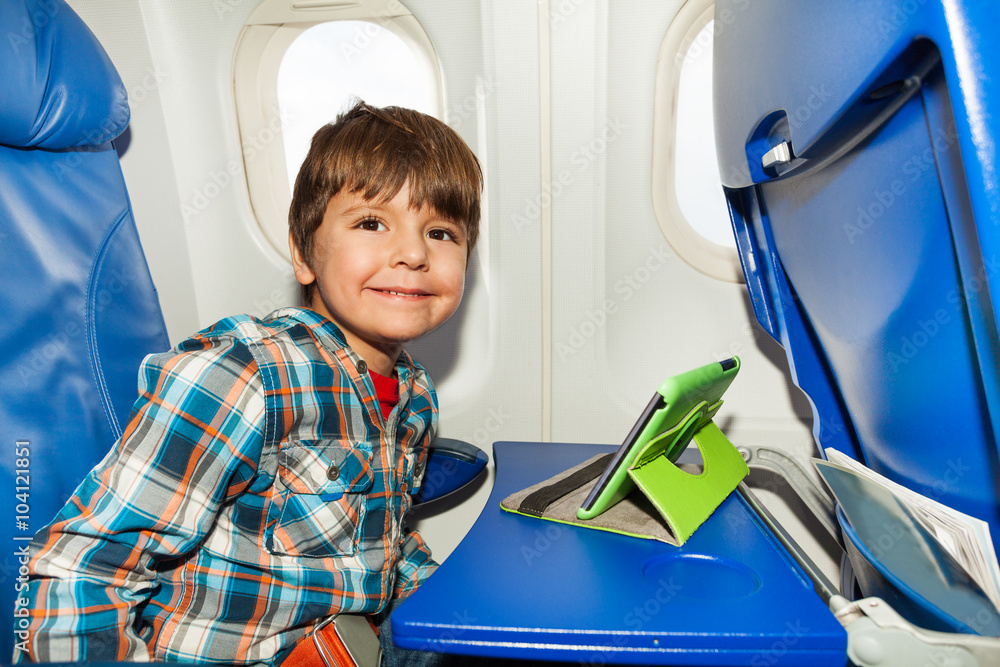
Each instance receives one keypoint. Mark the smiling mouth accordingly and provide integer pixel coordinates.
(391, 292)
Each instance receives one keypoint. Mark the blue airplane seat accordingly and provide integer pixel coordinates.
(79, 311)
(857, 145)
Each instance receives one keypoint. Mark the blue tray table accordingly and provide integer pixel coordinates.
(518, 587)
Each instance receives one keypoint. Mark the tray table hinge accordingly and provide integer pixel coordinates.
(877, 635)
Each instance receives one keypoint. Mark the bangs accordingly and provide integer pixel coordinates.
(382, 149)
(436, 178)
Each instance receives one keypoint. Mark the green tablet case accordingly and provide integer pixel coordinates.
(670, 500)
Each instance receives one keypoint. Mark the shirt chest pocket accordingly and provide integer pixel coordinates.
(320, 498)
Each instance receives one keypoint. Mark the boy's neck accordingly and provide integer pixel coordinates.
(379, 363)
(380, 358)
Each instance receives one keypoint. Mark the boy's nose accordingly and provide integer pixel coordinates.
(409, 249)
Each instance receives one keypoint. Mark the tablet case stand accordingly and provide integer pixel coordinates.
(671, 501)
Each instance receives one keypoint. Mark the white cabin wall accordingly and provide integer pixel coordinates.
(586, 106)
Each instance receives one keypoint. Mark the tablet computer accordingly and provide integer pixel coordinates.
(673, 401)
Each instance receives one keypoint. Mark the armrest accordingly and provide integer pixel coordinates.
(451, 464)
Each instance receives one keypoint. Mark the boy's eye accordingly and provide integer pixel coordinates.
(371, 225)
(442, 235)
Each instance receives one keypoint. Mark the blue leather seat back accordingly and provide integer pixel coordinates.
(78, 310)
(871, 253)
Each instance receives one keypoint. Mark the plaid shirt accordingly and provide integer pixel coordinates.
(256, 489)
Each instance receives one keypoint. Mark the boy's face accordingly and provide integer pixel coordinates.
(385, 273)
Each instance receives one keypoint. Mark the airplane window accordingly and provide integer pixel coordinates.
(687, 191)
(330, 64)
(699, 190)
(298, 65)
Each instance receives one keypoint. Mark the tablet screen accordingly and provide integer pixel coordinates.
(656, 403)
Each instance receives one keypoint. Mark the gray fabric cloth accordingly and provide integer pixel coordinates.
(634, 515)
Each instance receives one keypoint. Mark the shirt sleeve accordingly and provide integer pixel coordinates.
(415, 564)
(193, 441)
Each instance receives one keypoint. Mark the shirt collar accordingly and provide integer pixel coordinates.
(330, 335)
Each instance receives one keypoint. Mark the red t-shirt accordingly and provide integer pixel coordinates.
(387, 392)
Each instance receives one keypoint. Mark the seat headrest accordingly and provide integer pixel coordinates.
(60, 89)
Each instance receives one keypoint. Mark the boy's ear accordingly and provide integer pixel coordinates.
(303, 272)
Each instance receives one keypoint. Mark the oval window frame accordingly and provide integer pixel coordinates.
(710, 258)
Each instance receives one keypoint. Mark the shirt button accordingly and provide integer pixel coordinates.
(332, 473)
(362, 366)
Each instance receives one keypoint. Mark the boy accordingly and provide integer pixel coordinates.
(262, 482)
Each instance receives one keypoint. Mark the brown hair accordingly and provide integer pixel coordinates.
(374, 151)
